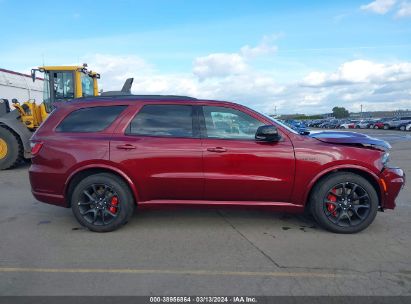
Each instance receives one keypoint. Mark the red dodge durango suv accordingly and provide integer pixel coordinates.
(103, 156)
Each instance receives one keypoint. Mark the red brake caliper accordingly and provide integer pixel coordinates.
(114, 203)
(330, 207)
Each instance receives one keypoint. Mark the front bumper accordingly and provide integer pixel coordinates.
(391, 182)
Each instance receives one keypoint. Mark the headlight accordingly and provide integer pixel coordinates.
(385, 158)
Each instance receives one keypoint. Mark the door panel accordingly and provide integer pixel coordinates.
(161, 152)
(243, 169)
(248, 171)
(161, 168)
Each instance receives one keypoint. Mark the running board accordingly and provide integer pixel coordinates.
(275, 206)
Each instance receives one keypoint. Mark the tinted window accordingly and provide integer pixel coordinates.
(227, 123)
(90, 119)
(163, 120)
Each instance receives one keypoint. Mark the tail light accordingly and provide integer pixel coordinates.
(36, 147)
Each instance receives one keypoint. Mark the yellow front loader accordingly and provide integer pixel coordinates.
(61, 83)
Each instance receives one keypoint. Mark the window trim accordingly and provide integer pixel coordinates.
(203, 127)
(194, 122)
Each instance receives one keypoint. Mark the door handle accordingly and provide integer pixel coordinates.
(217, 149)
(126, 147)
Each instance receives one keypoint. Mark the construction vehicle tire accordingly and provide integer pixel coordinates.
(11, 149)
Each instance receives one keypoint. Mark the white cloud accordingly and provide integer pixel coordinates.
(265, 47)
(315, 79)
(225, 64)
(220, 64)
(376, 86)
(379, 6)
(114, 70)
(405, 10)
(360, 71)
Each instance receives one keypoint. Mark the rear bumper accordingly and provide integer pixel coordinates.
(392, 180)
(43, 186)
(49, 198)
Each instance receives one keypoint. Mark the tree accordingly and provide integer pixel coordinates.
(340, 112)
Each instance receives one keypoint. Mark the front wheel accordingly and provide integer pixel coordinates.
(402, 128)
(344, 203)
(102, 202)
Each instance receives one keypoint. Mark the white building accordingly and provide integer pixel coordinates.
(20, 86)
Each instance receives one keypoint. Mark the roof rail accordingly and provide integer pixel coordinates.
(137, 97)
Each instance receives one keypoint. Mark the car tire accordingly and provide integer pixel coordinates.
(11, 149)
(102, 202)
(344, 214)
(386, 127)
(375, 127)
(402, 128)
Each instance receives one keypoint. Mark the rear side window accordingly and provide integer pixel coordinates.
(92, 119)
(163, 121)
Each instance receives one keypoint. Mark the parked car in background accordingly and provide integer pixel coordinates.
(348, 125)
(403, 126)
(379, 124)
(395, 122)
(298, 126)
(363, 124)
(103, 156)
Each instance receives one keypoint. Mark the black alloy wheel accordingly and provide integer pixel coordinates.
(344, 202)
(102, 202)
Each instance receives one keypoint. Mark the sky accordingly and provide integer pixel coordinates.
(277, 57)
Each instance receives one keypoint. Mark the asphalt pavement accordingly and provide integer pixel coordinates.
(191, 251)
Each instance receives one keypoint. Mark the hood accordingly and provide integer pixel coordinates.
(350, 138)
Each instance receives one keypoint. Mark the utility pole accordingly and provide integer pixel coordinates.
(361, 111)
(275, 111)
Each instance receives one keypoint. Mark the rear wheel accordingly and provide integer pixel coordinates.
(386, 127)
(402, 128)
(102, 202)
(344, 203)
(375, 127)
(11, 150)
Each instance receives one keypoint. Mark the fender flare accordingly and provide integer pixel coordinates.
(12, 121)
(107, 167)
(340, 167)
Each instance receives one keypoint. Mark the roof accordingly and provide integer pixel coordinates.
(135, 98)
(18, 74)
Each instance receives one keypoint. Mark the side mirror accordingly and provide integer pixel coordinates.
(33, 75)
(267, 133)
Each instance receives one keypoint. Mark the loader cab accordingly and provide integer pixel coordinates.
(63, 83)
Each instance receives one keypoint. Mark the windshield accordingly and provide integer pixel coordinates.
(46, 91)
